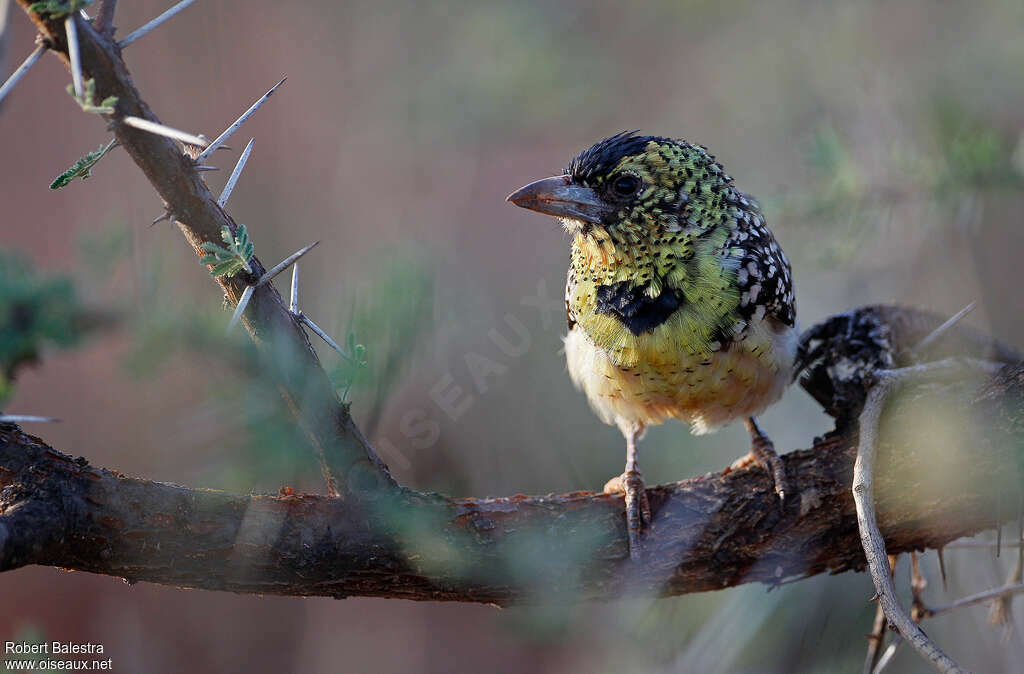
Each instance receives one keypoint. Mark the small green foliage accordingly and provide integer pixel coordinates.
(975, 154)
(82, 167)
(33, 311)
(837, 173)
(58, 8)
(88, 98)
(350, 369)
(229, 260)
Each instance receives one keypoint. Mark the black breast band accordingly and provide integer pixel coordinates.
(634, 308)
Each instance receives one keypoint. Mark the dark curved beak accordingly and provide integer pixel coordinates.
(558, 196)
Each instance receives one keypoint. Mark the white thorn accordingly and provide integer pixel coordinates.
(323, 335)
(293, 305)
(219, 140)
(937, 332)
(25, 419)
(73, 56)
(22, 69)
(139, 32)
(235, 172)
(162, 130)
(207, 168)
(243, 301)
(283, 264)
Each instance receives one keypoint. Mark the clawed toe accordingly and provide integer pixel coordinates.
(762, 452)
(766, 457)
(638, 507)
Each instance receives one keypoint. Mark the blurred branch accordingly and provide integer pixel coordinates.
(340, 446)
(708, 533)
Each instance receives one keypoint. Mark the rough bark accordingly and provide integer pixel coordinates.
(947, 453)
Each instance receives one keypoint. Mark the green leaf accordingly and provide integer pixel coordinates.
(58, 8)
(82, 167)
(230, 259)
(88, 98)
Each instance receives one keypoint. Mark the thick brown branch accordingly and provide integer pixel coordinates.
(708, 533)
(291, 358)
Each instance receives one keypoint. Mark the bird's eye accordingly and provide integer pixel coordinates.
(625, 185)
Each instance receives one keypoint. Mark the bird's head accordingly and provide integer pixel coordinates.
(629, 187)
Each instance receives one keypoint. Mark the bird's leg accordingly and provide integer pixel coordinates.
(631, 484)
(762, 452)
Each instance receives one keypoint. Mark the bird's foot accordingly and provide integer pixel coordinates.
(638, 508)
(762, 452)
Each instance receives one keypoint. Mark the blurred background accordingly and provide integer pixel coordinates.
(886, 144)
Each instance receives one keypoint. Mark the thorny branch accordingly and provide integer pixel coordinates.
(344, 453)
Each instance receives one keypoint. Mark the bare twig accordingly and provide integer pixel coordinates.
(143, 30)
(219, 140)
(74, 56)
(980, 598)
(235, 173)
(105, 17)
(917, 588)
(942, 568)
(269, 275)
(876, 640)
(863, 496)
(939, 331)
(871, 538)
(888, 655)
(163, 130)
(878, 630)
(1001, 613)
(22, 69)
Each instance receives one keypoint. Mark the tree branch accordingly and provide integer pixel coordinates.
(344, 452)
(708, 533)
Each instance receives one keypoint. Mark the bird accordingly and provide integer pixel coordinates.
(678, 299)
